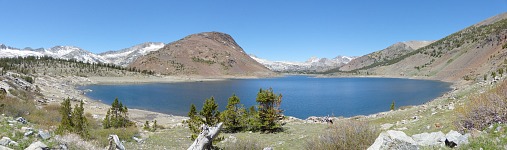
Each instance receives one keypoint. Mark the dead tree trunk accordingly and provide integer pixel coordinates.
(205, 138)
(115, 143)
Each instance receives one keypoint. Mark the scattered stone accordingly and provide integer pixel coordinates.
(267, 148)
(60, 147)
(451, 107)
(428, 139)
(393, 140)
(138, 140)
(44, 135)
(37, 146)
(28, 133)
(22, 120)
(6, 141)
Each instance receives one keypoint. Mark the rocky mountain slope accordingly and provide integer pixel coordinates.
(121, 57)
(202, 54)
(126, 56)
(469, 54)
(386, 54)
(313, 64)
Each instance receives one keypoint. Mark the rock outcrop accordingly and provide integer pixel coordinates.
(392, 139)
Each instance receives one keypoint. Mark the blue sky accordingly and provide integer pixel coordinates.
(275, 30)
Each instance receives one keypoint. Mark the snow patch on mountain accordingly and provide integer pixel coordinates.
(126, 56)
(121, 57)
(314, 64)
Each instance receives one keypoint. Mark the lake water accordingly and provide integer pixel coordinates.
(302, 96)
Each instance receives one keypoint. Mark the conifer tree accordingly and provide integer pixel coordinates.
(392, 106)
(117, 116)
(269, 110)
(232, 115)
(194, 122)
(66, 112)
(146, 125)
(79, 120)
(210, 112)
(154, 125)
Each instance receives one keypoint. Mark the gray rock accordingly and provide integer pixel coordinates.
(44, 135)
(28, 133)
(393, 140)
(5, 141)
(22, 120)
(267, 148)
(428, 139)
(37, 146)
(457, 137)
(138, 140)
(4, 148)
(60, 147)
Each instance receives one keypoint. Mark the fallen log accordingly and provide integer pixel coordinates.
(205, 139)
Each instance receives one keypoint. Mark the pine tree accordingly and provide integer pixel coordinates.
(106, 123)
(66, 113)
(194, 122)
(269, 110)
(117, 116)
(232, 115)
(79, 120)
(210, 112)
(146, 125)
(154, 125)
(392, 106)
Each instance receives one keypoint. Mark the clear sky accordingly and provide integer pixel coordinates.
(275, 30)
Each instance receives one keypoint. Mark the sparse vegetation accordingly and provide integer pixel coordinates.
(349, 134)
(483, 110)
(54, 66)
(244, 144)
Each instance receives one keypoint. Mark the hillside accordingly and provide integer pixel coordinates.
(202, 54)
(386, 54)
(467, 54)
(312, 65)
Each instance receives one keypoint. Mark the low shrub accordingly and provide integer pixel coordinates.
(348, 134)
(483, 110)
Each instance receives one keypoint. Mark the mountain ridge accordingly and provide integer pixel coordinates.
(473, 53)
(202, 54)
(311, 65)
(73, 52)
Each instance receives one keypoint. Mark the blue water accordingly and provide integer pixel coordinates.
(302, 96)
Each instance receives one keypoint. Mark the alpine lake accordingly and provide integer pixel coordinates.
(302, 96)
